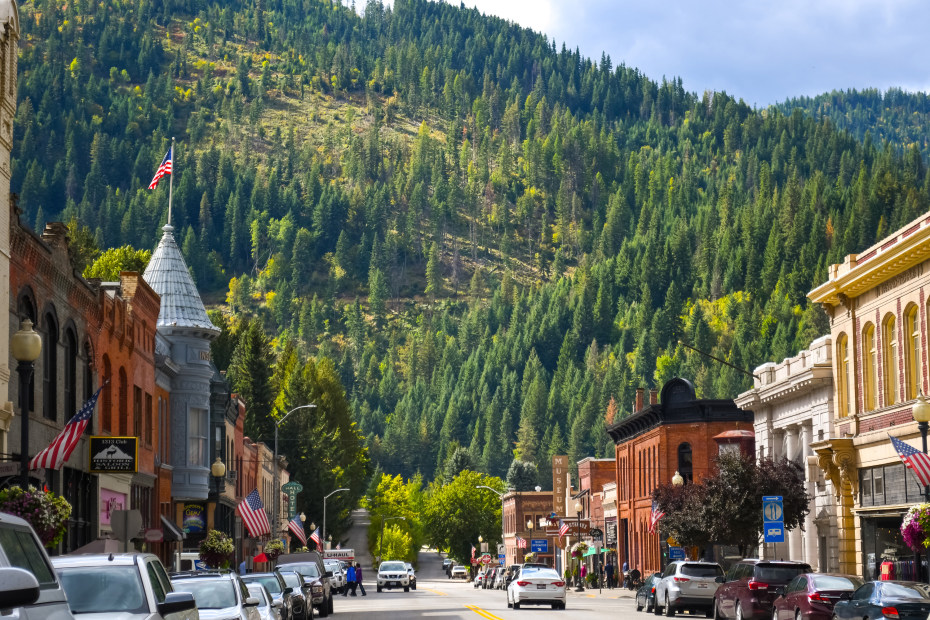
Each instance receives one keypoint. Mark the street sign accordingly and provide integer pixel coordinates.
(676, 553)
(292, 489)
(672, 542)
(597, 533)
(773, 519)
(539, 545)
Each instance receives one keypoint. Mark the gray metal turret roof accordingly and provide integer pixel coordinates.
(167, 274)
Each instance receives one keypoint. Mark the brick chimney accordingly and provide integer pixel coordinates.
(653, 397)
(640, 394)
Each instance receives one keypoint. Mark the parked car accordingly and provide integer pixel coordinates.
(292, 603)
(748, 590)
(29, 586)
(646, 594)
(311, 599)
(536, 586)
(268, 608)
(393, 574)
(811, 596)
(338, 580)
(901, 600)
(446, 564)
(479, 578)
(125, 585)
(411, 576)
(687, 585)
(493, 577)
(220, 594)
(459, 572)
(310, 565)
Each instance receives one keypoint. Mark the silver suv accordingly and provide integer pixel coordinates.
(29, 587)
(687, 585)
(127, 585)
(220, 594)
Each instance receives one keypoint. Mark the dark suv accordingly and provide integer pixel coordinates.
(292, 603)
(310, 566)
(749, 589)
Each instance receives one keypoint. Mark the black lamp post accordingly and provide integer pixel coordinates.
(25, 346)
(578, 508)
(921, 413)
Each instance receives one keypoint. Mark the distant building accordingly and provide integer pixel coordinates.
(524, 514)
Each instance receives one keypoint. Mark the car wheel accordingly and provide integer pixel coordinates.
(648, 606)
(739, 612)
(669, 610)
(323, 609)
(516, 604)
(655, 607)
(797, 614)
(330, 606)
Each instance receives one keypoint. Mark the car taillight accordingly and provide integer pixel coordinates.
(523, 584)
(817, 597)
(890, 612)
(758, 585)
(653, 590)
(558, 584)
(681, 579)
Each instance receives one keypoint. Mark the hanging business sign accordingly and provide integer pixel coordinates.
(559, 482)
(292, 489)
(110, 455)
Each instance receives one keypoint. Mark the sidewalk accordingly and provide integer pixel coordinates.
(603, 593)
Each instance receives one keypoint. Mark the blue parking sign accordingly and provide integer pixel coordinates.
(773, 519)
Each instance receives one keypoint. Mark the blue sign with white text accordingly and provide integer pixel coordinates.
(676, 553)
(539, 545)
(773, 519)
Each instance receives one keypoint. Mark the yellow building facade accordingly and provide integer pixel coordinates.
(879, 323)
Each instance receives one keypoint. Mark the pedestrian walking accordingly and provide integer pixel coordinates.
(243, 568)
(350, 580)
(609, 569)
(358, 578)
(582, 574)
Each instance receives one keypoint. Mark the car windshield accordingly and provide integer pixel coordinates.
(273, 585)
(103, 589)
(307, 569)
(209, 593)
(893, 591)
(833, 582)
(779, 573)
(701, 570)
(392, 566)
(256, 590)
(291, 579)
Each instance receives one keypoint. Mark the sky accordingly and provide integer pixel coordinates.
(761, 51)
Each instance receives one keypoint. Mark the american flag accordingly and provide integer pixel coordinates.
(253, 514)
(297, 529)
(654, 519)
(563, 529)
(163, 169)
(914, 459)
(55, 455)
(315, 537)
(473, 552)
(521, 542)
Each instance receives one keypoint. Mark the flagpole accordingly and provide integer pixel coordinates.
(171, 181)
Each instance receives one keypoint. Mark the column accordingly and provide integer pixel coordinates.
(795, 544)
(811, 533)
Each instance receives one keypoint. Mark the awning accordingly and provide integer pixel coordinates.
(172, 532)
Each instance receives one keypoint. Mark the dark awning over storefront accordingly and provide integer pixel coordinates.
(172, 532)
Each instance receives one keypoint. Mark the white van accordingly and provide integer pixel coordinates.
(29, 585)
(187, 561)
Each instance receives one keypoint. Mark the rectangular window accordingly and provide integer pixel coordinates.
(137, 411)
(197, 437)
(878, 487)
(148, 419)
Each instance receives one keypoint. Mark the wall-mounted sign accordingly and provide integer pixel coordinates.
(610, 527)
(110, 502)
(194, 519)
(292, 489)
(113, 454)
(559, 481)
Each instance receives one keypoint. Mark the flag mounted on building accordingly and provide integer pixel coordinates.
(297, 529)
(315, 537)
(253, 515)
(55, 455)
(914, 459)
(472, 552)
(165, 168)
(563, 529)
(655, 517)
(521, 542)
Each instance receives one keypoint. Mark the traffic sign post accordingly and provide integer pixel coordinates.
(773, 519)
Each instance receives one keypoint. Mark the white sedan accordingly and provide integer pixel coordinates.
(536, 586)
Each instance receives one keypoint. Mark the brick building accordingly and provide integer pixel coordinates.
(674, 433)
(524, 514)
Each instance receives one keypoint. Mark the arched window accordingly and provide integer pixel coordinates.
(123, 403)
(685, 464)
(912, 351)
(50, 367)
(71, 359)
(843, 393)
(870, 359)
(890, 360)
(107, 395)
(27, 310)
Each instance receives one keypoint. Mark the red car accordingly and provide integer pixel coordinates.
(811, 596)
(748, 590)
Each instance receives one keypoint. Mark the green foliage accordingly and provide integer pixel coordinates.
(82, 245)
(110, 263)
(396, 545)
(455, 514)
(392, 497)
(522, 476)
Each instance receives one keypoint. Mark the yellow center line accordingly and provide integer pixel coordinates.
(483, 613)
(436, 592)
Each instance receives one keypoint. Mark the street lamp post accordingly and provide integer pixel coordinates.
(921, 413)
(579, 507)
(381, 541)
(25, 346)
(324, 509)
(501, 497)
(276, 502)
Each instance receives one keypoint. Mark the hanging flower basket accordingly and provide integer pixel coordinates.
(915, 527)
(274, 548)
(579, 549)
(45, 511)
(216, 549)
(530, 557)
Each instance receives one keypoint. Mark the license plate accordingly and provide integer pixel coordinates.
(540, 586)
(702, 585)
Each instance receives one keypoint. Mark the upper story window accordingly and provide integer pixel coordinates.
(71, 359)
(685, 462)
(123, 403)
(870, 363)
(912, 352)
(890, 359)
(50, 368)
(107, 395)
(843, 384)
(197, 437)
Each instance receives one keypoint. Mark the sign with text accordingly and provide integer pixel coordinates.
(539, 545)
(575, 528)
(611, 530)
(773, 519)
(292, 489)
(676, 553)
(559, 481)
(113, 454)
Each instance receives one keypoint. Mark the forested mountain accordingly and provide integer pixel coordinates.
(495, 240)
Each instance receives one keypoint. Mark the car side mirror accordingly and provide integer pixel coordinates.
(780, 591)
(329, 573)
(846, 596)
(176, 602)
(720, 579)
(277, 604)
(19, 587)
(251, 602)
(288, 590)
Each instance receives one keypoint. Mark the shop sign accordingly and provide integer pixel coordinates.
(154, 535)
(559, 471)
(194, 519)
(611, 528)
(292, 489)
(113, 454)
(110, 502)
